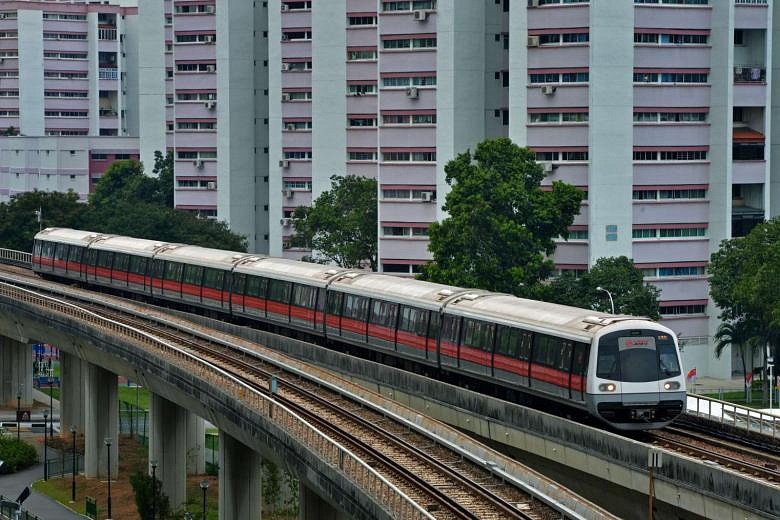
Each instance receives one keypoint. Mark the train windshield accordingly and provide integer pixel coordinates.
(637, 356)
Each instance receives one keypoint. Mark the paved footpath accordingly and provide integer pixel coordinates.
(44, 507)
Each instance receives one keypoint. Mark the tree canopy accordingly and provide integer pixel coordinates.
(744, 276)
(341, 224)
(125, 202)
(501, 225)
(615, 274)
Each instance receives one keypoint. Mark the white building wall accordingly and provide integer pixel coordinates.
(94, 67)
(131, 63)
(275, 201)
(30, 27)
(610, 132)
(151, 80)
(329, 101)
(518, 74)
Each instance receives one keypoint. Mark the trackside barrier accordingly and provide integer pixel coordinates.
(384, 492)
(734, 415)
(13, 257)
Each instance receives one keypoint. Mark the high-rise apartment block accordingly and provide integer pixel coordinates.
(661, 110)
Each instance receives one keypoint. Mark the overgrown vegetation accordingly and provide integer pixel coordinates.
(149, 497)
(16, 454)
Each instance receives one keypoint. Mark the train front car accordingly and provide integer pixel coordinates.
(637, 381)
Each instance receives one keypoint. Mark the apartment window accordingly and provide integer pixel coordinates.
(196, 67)
(361, 55)
(670, 117)
(65, 132)
(297, 126)
(644, 233)
(403, 231)
(9, 93)
(739, 37)
(98, 156)
(682, 232)
(683, 155)
(402, 194)
(389, 7)
(562, 156)
(9, 73)
(297, 185)
(676, 310)
(9, 113)
(65, 113)
(200, 184)
(682, 194)
(671, 39)
(412, 43)
(408, 119)
(415, 81)
(298, 156)
(361, 121)
(551, 2)
(296, 6)
(396, 156)
(670, 77)
(195, 96)
(667, 272)
(201, 126)
(361, 156)
(296, 66)
(361, 90)
(563, 38)
(64, 36)
(66, 55)
(8, 35)
(196, 38)
(574, 156)
(580, 234)
(195, 9)
(645, 195)
(296, 36)
(298, 96)
(566, 77)
(65, 94)
(65, 17)
(673, 2)
(558, 117)
(362, 20)
(645, 156)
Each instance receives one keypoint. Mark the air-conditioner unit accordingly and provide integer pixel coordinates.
(285, 37)
(284, 163)
(285, 222)
(547, 167)
(533, 41)
(211, 68)
(211, 185)
(210, 9)
(285, 7)
(288, 194)
(427, 196)
(285, 97)
(285, 66)
(412, 93)
(290, 127)
(210, 38)
(420, 16)
(548, 90)
(210, 105)
(198, 163)
(533, 3)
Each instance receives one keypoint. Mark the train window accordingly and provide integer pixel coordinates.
(159, 268)
(320, 299)
(37, 248)
(304, 296)
(435, 325)
(668, 365)
(607, 366)
(384, 313)
(450, 326)
(48, 249)
(580, 363)
(506, 345)
(564, 362)
(193, 274)
(547, 350)
(137, 265)
(478, 334)
(256, 286)
(105, 259)
(173, 271)
(120, 262)
(239, 282)
(279, 291)
(91, 257)
(60, 253)
(526, 340)
(74, 254)
(213, 278)
(356, 307)
(413, 320)
(334, 303)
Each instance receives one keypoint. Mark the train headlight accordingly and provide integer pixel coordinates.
(671, 385)
(607, 387)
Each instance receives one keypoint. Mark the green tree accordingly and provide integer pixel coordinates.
(619, 276)
(10, 131)
(744, 276)
(148, 496)
(740, 334)
(501, 225)
(163, 171)
(341, 224)
(19, 220)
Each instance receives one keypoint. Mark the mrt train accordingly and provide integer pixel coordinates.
(624, 370)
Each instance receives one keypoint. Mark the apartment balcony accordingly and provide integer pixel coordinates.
(107, 34)
(750, 14)
(108, 73)
(750, 74)
(744, 218)
(748, 172)
(108, 112)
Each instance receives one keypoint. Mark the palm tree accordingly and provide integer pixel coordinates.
(739, 332)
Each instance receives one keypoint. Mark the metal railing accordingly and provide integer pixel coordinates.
(11, 511)
(750, 74)
(750, 2)
(107, 34)
(734, 415)
(13, 257)
(384, 492)
(107, 73)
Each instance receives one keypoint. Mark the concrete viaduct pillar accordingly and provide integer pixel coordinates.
(168, 447)
(73, 376)
(313, 507)
(196, 445)
(240, 481)
(101, 422)
(16, 365)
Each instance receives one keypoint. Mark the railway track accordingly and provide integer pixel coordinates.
(729, 454)
(442, 481)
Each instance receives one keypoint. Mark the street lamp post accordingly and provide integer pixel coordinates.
(45, 447)
(611, 301)
(153, 463)
(204, 485)
(51, 408)
(108, 464)
(73, 476)
(18, 410)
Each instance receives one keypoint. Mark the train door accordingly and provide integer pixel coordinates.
(448, 344)
(434, 328)
(579, 368)
(335, 301)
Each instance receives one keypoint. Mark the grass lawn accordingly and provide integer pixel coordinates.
(738, 397)
(128, 395)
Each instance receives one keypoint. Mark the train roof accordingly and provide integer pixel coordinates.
(133, 246)
(290, 270)
(203, 256)
(394, 288)
(69, 236)
(579, 324)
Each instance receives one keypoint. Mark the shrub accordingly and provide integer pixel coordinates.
(16, 455)
(144, 491)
